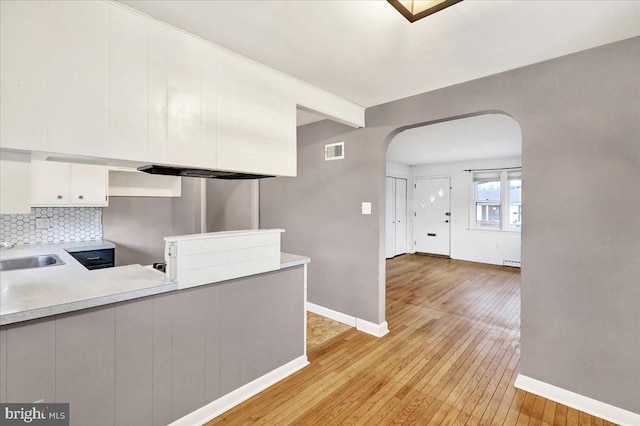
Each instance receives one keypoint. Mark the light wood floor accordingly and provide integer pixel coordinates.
(451, 358)
(320, 330)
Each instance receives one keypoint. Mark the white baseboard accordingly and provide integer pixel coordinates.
(577, 401)
(374, 329)
(331, 314)
(213, 409)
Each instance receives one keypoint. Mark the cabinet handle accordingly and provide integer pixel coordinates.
(59, 197)
(94, 258)
(81, 197)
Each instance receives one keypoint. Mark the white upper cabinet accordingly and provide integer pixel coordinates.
(89, 185)
(78, 77)
(50, 183)
(127, 85)
(23, 75)
(15, 183)
(158, 35)
(191, 93)
(94, 78)
(63, 184)
(256, 119)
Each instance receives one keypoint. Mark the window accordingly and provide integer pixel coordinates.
(497, 200)
(514, 180)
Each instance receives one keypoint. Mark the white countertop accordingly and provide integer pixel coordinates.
(40, 292)
(34, 293)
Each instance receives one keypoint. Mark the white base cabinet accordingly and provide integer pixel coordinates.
(55, 184)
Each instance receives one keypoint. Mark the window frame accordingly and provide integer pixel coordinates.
(504, 202)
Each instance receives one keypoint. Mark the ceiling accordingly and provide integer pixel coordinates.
(366, 52)
(476, 138)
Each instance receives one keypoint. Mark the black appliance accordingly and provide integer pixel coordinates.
(160, 266)
(199, 173)
(95, 259)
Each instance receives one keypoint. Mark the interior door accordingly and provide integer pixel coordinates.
(390, 229)
(400, 216)
(432, 216)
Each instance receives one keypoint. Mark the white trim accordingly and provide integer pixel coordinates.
(577, 401)
(213, 409)
(255, 204)
(331, 314)
(374, 329)
(203, 205)
(304, 314)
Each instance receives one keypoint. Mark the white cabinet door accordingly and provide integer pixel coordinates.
(127, 85)
(50, 183)
(23, 79)
(63, 184)
(256, 119)
(89, 185)
(157, 35)
(14, 183)
(78, 77)
(209, 96)
(184, 132)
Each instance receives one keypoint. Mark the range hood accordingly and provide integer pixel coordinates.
(199, 173)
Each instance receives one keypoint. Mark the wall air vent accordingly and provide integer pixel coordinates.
(334, 151)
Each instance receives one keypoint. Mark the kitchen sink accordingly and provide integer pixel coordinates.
(30, 262)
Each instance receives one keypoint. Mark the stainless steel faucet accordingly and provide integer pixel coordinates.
(7, 244)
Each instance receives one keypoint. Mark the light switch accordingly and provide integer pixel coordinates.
(366, 207)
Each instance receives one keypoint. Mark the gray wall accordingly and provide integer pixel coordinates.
(229, 204)
(321, 213)
(138, 225)
(580, 121)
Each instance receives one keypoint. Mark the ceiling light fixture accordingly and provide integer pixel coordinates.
(418, 9)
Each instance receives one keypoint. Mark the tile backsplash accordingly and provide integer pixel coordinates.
(65, 224)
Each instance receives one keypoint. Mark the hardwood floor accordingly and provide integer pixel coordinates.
(321, 330)
(451, 358)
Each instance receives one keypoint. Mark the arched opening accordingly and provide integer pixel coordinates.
(452, 267)
(450, 179)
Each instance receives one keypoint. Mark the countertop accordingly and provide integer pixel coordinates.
(36, 293)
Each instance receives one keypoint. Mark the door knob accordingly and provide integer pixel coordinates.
(59, 197)
(446, 221)
(81, 197)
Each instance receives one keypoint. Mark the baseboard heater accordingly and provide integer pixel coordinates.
(443, 256)
(512, 263)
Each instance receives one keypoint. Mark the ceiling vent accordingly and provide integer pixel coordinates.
(334, 151)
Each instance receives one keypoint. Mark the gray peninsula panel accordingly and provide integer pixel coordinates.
(152, 360)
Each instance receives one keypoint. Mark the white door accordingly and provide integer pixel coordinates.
(400, 216)
(390, 229)
(432, 216)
